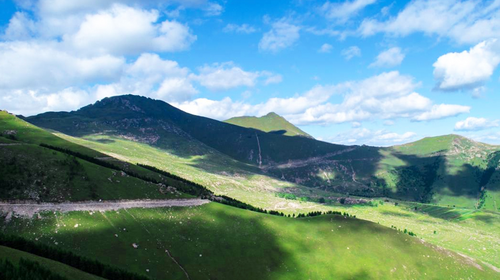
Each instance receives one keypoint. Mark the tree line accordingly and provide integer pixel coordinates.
(82, 263)
(184, 185)
(26, 270)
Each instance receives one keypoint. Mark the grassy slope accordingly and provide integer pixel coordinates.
(220, 242)
(33, 172)
(269, 123)
(454, 167)
(223, 176)
(64, 270)
(405, 173)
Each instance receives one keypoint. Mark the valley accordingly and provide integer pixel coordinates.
(117, 201)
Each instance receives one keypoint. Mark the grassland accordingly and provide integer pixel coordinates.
(220, 242)
(478, 231)
(14, 256)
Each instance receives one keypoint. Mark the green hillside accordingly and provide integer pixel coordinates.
(271, 122)
(220, 242)
(438, 170)
(226, 176)
(33, 172)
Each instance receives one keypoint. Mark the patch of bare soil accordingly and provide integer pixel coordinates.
(31, 208)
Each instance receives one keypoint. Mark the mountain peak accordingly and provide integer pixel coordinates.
(271, 122)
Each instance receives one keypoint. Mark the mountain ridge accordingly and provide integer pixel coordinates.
(440, 169)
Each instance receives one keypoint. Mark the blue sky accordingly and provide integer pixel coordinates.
(351, 72)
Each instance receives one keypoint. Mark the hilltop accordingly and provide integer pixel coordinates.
(271, 122)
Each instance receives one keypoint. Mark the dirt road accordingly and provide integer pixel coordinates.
(29, 209)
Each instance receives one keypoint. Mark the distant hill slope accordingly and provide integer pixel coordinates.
(449, 170)
(271, 122)
(160, 124)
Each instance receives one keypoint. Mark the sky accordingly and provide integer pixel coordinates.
(374, 72)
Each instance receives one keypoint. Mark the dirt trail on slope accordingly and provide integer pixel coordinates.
(29, 209)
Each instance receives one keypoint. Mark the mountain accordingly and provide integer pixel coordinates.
(37, 165)
(271, 122)
(448, 170)
(320, 183)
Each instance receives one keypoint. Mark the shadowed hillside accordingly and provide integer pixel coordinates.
(449, 170)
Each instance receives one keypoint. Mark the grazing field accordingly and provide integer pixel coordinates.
(220, 242)
(478, 230)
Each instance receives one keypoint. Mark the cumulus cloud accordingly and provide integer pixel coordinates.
(273, 79)
(41, 65)
(473, 124)
(389, 58)
(225, 76)
(20, 27)
(125, 30)
(351, 52)
(243, 28)
(325, 48)
(442, 111)
(465, 22)
(213, 9)
(359, 136)
(386, 96)
(282, 35)
(468, 69)
(341, 12)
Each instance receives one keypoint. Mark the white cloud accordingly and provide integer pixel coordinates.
(468, 21)
(63, 7)
(224, 76)
(442, 111)
(244, 28)
(473, 124)
(363, 135)
(283, 34)
(345, 10)
(213, 9)
(35, 65)
(351, 52)
(389, 58)
(273, 79)
(468, 69)
(325, 48)
(220, 110)
(176, 89)
(386, 96)
(20, 27)
(125, 30)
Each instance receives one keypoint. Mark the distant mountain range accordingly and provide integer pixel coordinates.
(450, 170)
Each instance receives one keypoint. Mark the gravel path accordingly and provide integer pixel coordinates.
(29, 209)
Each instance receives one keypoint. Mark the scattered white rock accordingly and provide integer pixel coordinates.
(116, 235)
(135, 245)
(200, 255)
(76, 225)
